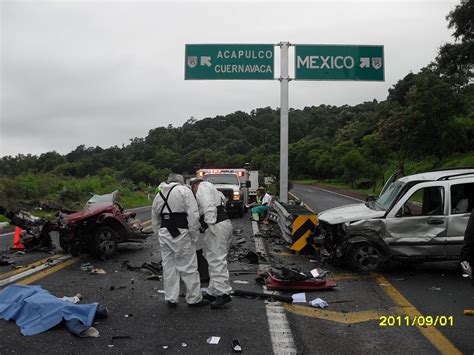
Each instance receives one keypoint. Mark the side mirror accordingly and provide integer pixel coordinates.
(247, 183)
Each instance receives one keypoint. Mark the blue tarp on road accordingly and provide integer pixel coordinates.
(36, 310)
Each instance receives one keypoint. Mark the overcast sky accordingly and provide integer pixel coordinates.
(102, 72)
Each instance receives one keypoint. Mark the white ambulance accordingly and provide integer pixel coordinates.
(239, 186)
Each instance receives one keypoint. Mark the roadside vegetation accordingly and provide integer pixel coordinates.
(46, 192)
(366, 187)
(426, 122)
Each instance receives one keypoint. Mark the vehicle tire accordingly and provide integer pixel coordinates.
(364, 257)
(64, 242)
(104, 241)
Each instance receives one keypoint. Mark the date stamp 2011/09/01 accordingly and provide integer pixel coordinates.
(416, 321)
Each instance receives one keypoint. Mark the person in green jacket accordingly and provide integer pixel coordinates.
(263, 202)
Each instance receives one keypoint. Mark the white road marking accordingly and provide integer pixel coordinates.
(4, 235)
(336, 193)
(280, 332)
(29, 272)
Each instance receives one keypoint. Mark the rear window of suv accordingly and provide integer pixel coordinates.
(462, 198)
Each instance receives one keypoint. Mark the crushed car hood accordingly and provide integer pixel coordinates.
(88, 211)
(349, 213)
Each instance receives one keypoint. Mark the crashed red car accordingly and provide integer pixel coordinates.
(97, 228)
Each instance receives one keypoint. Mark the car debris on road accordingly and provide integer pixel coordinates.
(290, 279)
(236, 346)
(318, 302)
(269, 296)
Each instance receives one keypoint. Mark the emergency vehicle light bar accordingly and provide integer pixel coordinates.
(218, 171)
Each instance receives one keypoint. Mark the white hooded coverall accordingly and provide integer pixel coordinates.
(178, 254)
(216, 239)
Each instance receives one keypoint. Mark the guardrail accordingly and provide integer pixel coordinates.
(296, 223)
(279, 215)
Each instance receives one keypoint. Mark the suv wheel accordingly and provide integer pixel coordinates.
(104, 242)
(364, 257)
(241, 212)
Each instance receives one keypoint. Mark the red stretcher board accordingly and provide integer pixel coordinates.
(276, 284)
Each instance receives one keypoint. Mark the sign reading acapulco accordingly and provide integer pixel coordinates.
(256, 61)
(229, 61)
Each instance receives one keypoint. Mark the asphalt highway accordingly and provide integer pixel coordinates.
(140, 322)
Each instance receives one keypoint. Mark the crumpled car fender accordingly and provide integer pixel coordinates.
(120, 227)
(371, 233)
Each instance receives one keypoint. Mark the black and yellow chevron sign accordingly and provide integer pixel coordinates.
(302, 228)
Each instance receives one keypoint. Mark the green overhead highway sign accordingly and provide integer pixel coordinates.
(339, 62)
(229, 61)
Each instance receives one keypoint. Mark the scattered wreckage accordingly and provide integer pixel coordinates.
(97, 228)
(415, 218)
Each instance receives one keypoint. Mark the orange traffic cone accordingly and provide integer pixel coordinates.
(17, 239)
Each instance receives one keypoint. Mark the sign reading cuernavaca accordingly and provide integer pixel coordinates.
(256, 62)
(339, 62)
(229, 61)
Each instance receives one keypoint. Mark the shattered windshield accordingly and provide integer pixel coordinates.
(112, 197)
(384, 201)
(224, 179)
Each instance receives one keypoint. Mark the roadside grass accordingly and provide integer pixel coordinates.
(459, 160)
(43, 214)
(135, 199)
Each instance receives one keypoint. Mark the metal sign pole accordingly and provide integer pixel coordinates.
(284, 79)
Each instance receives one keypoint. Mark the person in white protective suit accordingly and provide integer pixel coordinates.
(175, 219)
(218, 230)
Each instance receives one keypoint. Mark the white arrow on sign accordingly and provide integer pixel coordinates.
(206, 61)
(364, 62)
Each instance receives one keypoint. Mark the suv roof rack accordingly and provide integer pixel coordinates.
(457, 168)
(447, 177)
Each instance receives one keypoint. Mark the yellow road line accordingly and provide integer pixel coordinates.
(435, 337)
(340, 317)
(30, 266)
(348, 276)
(47, 272)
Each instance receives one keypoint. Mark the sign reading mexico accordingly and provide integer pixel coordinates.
(229, 61)
(339, 62)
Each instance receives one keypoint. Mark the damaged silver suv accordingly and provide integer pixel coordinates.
(420, 217)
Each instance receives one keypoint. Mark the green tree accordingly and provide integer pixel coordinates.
(140, 171)
(458, 58)
(432, 105)
(375, 152)
(339, 152)
(353, 165)
(49, 161)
